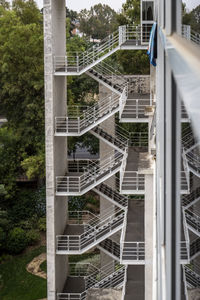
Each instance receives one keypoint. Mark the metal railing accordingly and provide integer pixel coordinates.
(76, 62)
(111, 247)
(193, 197)
(193, 219)
(109, 75)
(80, 119)
(91, 177)
(190, 34)
(132, 182)
(185, 245)
(130, 251)
(192, 278)
(153, 125)
(104, 277)
(96, 228)
(108, 192)
(80, 165)
(194, 248)
(192, 157)
(136, 110)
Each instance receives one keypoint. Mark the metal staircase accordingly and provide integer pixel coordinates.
(126, 37)
(191, 159)
(111, 248)
(82, 119)
(121, 139)
(77, 240)
(112, 195)
(111, 78)
(118, 141)
(97, 173)
(192, 277)
(191, 199)
(194, 248)
(94, 277)
(193, 220)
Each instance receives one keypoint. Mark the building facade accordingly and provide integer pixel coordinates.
(147, 181)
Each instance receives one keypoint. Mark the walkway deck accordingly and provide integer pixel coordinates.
(135, 286)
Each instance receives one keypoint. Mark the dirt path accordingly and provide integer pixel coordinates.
(34, 266)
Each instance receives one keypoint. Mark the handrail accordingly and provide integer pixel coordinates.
(76, 62)
(130, 250)
(92, 233)
(87, 118)
(190, 34)
(77, 184)
(118, 198)
(132, 181)
(104, 277)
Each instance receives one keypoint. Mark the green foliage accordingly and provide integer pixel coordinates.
(27, 11)
(33, 236)
(79, 87)
(16, 240)
(2, 239)
(133, 62)
(42, 224)
(5, 258)
(192, 18)
(130, 13)
(10, 161)
(21, 72)
(99, 21)
(17, 283)
(34, 166)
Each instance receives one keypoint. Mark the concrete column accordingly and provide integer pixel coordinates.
(149, 236)
(56, 148)
(104, 149)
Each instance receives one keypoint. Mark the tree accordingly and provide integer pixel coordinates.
(27, 11)
(99, 21)
(21, 73)
(131, 13)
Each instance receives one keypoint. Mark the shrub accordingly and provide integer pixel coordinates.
(2, 239)
(4, 258)
(17, 240)
(33, 236)
(42, 224)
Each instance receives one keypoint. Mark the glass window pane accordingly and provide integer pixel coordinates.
(147, 11)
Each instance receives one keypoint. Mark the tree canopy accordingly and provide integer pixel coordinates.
(99, 21)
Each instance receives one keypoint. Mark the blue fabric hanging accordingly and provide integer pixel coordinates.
(152, 49)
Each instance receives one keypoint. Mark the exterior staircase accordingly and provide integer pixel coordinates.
(82, 119)
(111, 248)
(117, 141)
(126, 37)
(104, 277)
(191, 199)
(194, 248)
(112, 195)
(78, 185)
(193, 221)
(192, 278)
(109, 77)
(78, 239)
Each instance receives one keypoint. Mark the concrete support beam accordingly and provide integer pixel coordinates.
(56, 148)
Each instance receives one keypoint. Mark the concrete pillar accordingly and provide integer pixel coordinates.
(149, 236)
(56, 148)
(109, 124)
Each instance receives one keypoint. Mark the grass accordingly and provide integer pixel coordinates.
(16, 283)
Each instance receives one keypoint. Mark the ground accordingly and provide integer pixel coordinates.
(16, 283)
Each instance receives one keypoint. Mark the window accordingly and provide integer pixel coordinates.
(147, 11)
